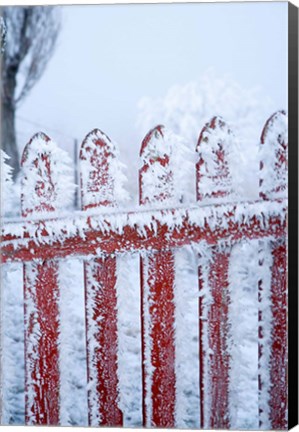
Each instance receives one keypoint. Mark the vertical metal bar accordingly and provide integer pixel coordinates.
(218, 334)
(97, 190)
(157, 293)
(273, 406)
(279, 345)
(41, 293)
(212, 168)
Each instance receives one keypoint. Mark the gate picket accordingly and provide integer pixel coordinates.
(273, 184)
(97, 190)
(157, 291)
(41, 292)
(213, 183)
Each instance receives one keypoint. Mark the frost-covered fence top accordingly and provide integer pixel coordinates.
(104, 229)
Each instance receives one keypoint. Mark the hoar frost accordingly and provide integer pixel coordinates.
(168, 162)
(102, 173)
(47, 179)
(7, 189)
(273, 156)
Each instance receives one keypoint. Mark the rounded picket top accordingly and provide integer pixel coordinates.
(213, 176)
(98, 170)
(153, 146)
(273, 156)
(97, 141)
(38, 137)
(38, 192)
(155, 175)
(47, 178)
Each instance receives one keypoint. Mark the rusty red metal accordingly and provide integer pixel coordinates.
(157, 294)
(158, 275)
(279, 347)
(202, 354)
(218, 356)
(41, 294)
(25, 247)
(274, 135)
(218, 173)
(97, 190)
(274, 131)
(212, 166)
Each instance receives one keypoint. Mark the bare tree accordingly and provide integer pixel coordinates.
(2, 34)
(31, 34)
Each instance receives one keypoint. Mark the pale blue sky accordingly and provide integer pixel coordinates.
(109, 56)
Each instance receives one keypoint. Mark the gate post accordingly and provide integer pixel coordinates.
(157, 291)
(41, 291)
(273, 345)
(213, 182)
(97, 156)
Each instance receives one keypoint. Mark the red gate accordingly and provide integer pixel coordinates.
(158, 227)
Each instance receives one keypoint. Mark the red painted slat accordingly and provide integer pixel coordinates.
(97, 190)
(213, 181)
(218, 357)
(157, 292)
(41, 296)
(41, 293)
(202, 357)
(274, 157)
(274, 166)
(212, 165)
(279, 346)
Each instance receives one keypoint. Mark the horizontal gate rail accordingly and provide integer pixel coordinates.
(143, 230)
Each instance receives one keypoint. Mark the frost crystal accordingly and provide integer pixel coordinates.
(167, 163)
(102, 176)
(273, 157)
(47, 182)
(6, 184)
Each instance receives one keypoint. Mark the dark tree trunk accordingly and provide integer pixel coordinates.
(8, 129)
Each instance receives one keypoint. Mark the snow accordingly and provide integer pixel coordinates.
(171, 180)
(186, 108)
(12, 344)
(102, 173)
(200, 216)
(147, 364)
(274, 172)
(265, 262)
(44, 185)
(7, 189)
(215, 175)
(186, 339)
(73, 408)
(129, 341)
(243, 278)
